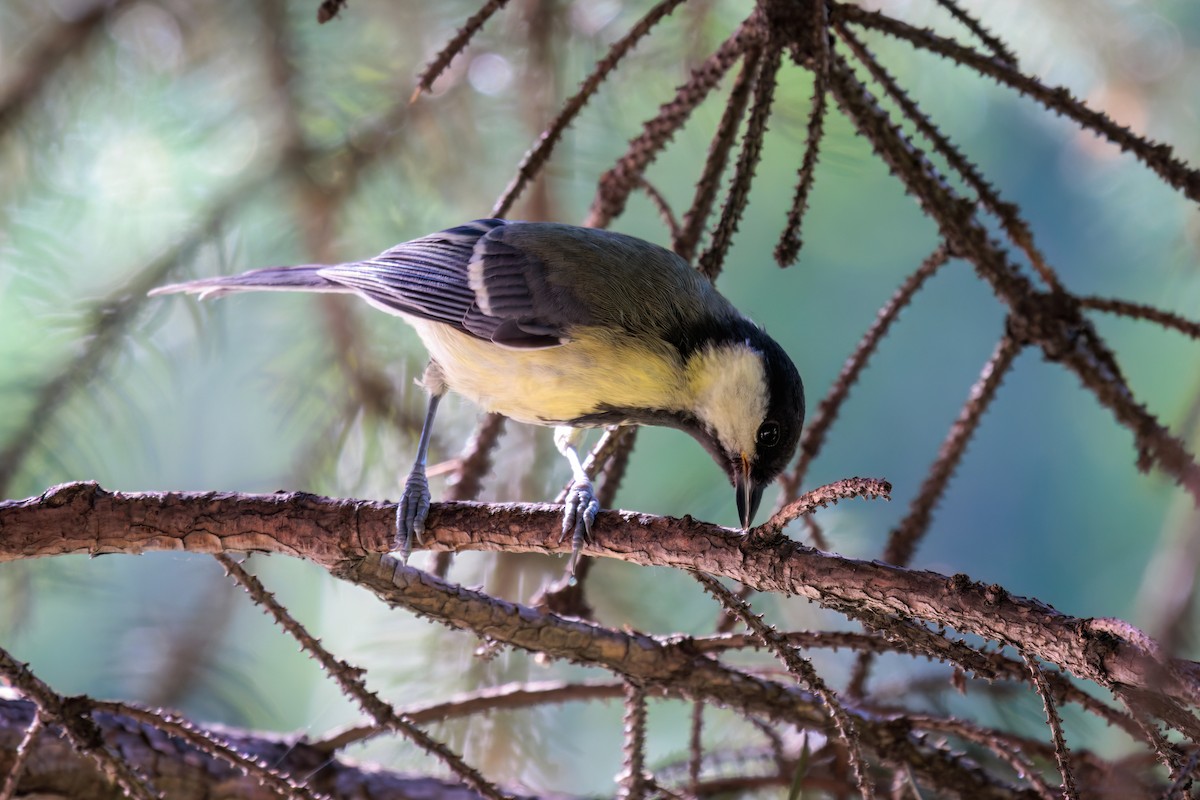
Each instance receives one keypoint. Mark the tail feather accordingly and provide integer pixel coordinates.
(279, 279)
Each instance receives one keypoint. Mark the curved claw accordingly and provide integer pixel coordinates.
(579, 514)
(411, 512)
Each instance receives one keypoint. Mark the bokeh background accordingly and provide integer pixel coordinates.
(182, 139)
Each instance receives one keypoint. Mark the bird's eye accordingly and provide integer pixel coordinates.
(768, 434)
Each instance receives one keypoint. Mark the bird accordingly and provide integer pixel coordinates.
(571, 327)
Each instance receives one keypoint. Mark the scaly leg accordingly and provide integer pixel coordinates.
(414, 505)
(581, 504)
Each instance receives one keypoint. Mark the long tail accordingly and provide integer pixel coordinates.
(270, 279)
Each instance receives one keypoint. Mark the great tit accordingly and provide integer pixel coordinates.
(573, 327)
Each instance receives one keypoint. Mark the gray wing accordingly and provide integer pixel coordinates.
(465, 277)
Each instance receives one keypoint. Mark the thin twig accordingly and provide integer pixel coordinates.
(787, 250)
(1183, 778)
(903, 539)
(998, 48)
(695, 747)
(350, 680)
(533, 160)
(456, 45)
(615, 185)
(211, 745)
(1160, 158)
(663, 207)
(1051, 320)
(1014, 225)
(9, 790)
(74, 716)
(1125, 308)
(633, 781)
(1061, 755)
(1006, 747)
(713, 259)
(481, 701)
(814, 433)
(803, 670)
(718, 157)
(822, 496)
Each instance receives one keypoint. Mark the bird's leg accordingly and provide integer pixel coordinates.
(581, 503)
(414, 504)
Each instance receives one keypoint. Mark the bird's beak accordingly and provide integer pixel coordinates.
(749, 494)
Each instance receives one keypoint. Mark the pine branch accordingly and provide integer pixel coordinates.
(350, 680)
(533, 160)
(803, 670)
(339, 534)
(818, 427)
(457, 44)
(1157, 156)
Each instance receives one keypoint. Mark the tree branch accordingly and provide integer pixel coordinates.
(339, 534)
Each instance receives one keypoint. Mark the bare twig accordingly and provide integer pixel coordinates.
(814, 433)
(713, 259)
(1009, 749)
(1061, 755)
(1183, 780)
(718, 157)
(8, 791)
(823, 496)
(73, 715)
(663, 207)
(904, 538)
(350, 680)
(788, 248)
(456, 45)
(633, 780)
(533, 161)
(482, 701)
(1125, 308)
(1157, 156)
(212, 745)
(695, 747)
(1017, 229)
(1051, 320)
(616, 184)
(804, 671)
(998, 48)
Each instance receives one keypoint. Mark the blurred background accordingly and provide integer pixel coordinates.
(151, 142)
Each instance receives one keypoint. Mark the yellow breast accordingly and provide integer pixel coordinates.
(593, 371)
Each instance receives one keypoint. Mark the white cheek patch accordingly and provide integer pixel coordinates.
(730, 390)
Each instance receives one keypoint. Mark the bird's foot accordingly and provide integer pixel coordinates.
(579, 513)
(411, 512)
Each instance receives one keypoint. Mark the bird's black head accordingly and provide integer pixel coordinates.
(748, 404)
(779, 433)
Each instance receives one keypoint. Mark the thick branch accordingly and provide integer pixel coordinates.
(55, 769)
(338, 534)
